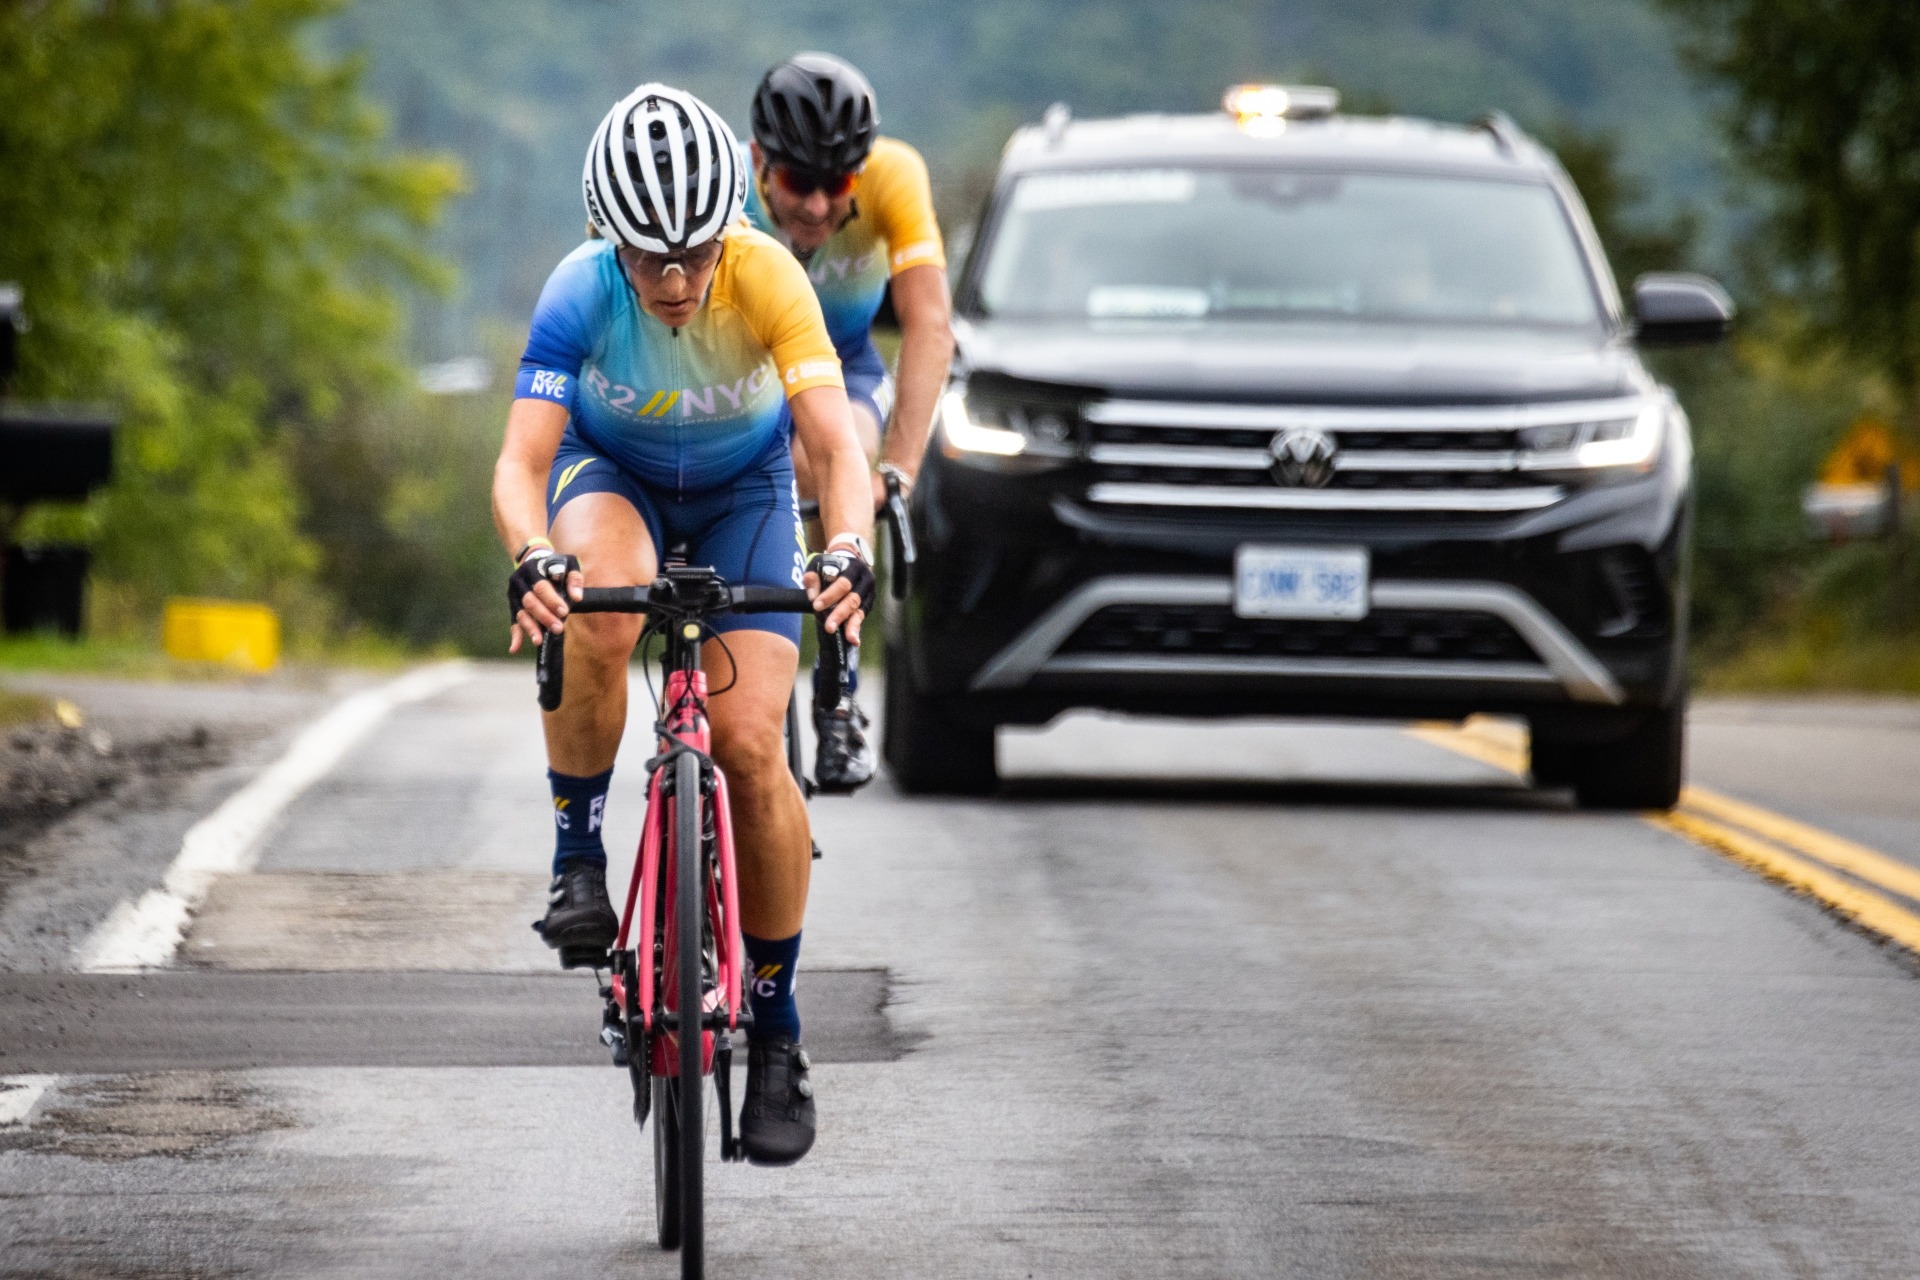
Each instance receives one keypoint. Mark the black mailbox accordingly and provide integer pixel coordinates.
(48, 453)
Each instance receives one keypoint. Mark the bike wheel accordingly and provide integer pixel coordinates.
(690, 907)
(666, 1162)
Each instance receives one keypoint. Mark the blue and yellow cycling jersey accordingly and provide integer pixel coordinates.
(686, 409)
(893, 228)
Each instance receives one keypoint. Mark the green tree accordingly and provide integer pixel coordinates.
(1825, 109)
(211, 232)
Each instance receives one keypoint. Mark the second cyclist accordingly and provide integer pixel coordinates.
(856, 209)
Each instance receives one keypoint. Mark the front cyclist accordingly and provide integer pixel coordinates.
(857, 209)
(672, 359)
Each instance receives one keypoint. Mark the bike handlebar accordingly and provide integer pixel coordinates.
(550, 659)
(741, 599)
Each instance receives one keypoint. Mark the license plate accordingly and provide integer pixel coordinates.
(1300, 582)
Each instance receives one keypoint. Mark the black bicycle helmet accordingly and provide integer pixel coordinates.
(815, 112)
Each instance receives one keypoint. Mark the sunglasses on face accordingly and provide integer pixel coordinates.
(800, 182)
(653, 266)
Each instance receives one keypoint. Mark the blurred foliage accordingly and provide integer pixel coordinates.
(211, 231)
(1766, 408)
(1825, 110)
(1822, 112)
(407, 503)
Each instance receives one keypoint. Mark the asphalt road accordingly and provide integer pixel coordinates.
(1193, 1001)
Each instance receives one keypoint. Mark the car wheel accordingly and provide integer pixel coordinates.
(1639, 771)
(1552, 763)
(927, 751)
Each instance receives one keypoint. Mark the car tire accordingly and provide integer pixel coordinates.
(1639, 771)
(1552, 763)
(927, 750)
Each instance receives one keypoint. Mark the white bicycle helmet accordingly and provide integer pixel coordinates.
(664, 172)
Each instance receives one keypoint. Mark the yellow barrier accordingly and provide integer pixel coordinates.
(244, 635)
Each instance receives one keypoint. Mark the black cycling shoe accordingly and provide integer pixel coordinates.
(580, 923)
(776, 1122)
(842, 760)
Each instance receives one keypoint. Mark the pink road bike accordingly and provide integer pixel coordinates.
(678, 975)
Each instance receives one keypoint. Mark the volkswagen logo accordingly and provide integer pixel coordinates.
(1303, 457)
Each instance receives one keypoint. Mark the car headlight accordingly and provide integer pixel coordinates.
(963, 435)
(1005, 436)
(1627, 443)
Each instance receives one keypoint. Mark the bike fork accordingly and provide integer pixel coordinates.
(723, 1092)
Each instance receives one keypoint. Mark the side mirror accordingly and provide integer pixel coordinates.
(1673, 309)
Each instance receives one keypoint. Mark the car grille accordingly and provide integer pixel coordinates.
(1151, 453)
(1217, 630)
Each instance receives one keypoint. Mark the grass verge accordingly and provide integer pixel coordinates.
(1817, 660)
(141, 659)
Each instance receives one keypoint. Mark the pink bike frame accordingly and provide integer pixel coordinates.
(653, 876)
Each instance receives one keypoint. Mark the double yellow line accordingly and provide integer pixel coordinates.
(1861, 884)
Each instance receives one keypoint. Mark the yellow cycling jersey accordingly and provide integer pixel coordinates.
(693, 407)
(892, 229)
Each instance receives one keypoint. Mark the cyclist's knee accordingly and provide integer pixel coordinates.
(605, 636)
(610, 537)
(751, 747)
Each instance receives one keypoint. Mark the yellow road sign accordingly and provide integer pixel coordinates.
(1863, 456)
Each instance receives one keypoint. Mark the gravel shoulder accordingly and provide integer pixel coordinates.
(92, 814)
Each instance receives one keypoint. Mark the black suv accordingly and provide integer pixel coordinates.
(1283, 412)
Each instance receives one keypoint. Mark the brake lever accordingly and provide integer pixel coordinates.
(900, 536)
(550, 655)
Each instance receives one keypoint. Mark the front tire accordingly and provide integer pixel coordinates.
(927, 750)
(690, 901)
(1642, 770)
(666, 1162)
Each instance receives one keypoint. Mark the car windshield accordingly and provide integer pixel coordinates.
(1285, 244)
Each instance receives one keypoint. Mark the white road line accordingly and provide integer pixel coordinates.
(145, 934)
(19, 1095)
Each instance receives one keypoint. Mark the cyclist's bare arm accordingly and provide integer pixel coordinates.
(926, 349)
(534, 428)
(824, 423)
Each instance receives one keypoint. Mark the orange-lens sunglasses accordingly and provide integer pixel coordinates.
(799, 182)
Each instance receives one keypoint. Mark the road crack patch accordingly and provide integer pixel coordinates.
(183, 1115)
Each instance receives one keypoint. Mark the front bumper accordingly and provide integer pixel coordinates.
(1562, 661)
(1016, 574)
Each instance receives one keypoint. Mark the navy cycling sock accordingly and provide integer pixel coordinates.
(579, 807)
(852, 683)
(775, 1015)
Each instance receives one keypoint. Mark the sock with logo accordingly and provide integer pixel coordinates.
(775, 1015)
(853, 674)
(579, 807)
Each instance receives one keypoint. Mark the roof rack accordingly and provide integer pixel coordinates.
(1055, 121)
(1506, 134)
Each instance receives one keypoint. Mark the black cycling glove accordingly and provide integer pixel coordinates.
(541, 564)
(832, 565)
